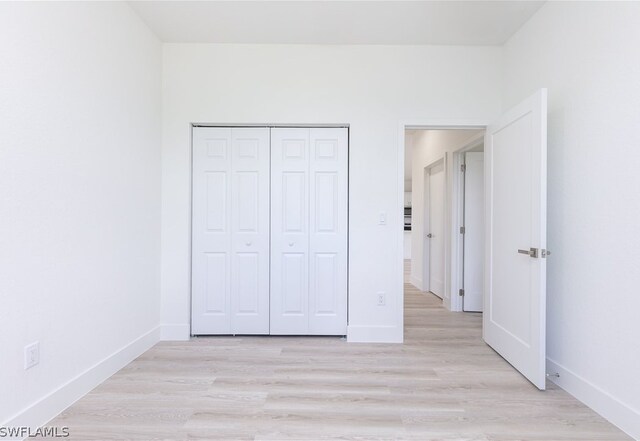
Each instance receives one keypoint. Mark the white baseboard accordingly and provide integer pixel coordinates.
(374, 334)
(52, 404)
(175, 332)
(416, 282)
(616, 412)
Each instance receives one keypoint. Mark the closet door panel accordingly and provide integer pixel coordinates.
(289, 231)
(328, 231)
(211, 235)
(250, 231)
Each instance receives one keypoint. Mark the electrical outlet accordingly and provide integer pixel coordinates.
(381, 299)
(31, 355)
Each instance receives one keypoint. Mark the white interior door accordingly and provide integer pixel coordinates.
(435, 233)
(230, 231)
(309, 231)
(473, 266)
(515, 283)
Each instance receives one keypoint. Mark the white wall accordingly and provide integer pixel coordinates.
(79, 199)
(587, 54)
(372, 88)
(430, 146)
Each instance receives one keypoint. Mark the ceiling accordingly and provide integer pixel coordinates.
(391, 22)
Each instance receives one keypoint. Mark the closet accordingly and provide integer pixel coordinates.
(269, 231)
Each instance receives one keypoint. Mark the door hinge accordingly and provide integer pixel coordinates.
(463, 168)
(462, 230)
(461, 292)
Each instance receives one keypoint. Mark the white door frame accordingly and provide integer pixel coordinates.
(426, 220)
(425, 124)
(457, 220)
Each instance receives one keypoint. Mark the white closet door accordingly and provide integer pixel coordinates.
(211, 234)
(289, 231)
(230, 251)
(328, 231)
(250, 231)
(309, 231)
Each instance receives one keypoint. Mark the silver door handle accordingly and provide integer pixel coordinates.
(531, 252)
(429, 235)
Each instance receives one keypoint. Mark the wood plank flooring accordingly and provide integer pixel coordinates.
(443, 383)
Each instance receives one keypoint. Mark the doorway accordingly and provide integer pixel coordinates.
(430, 154)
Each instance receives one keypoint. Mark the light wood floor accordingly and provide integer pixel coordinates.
(443, 383)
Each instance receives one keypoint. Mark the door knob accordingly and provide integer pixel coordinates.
(531, 252)
(290, 244)
(429, 235)
(248, 244)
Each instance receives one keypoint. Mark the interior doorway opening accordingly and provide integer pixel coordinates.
(443, 213)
